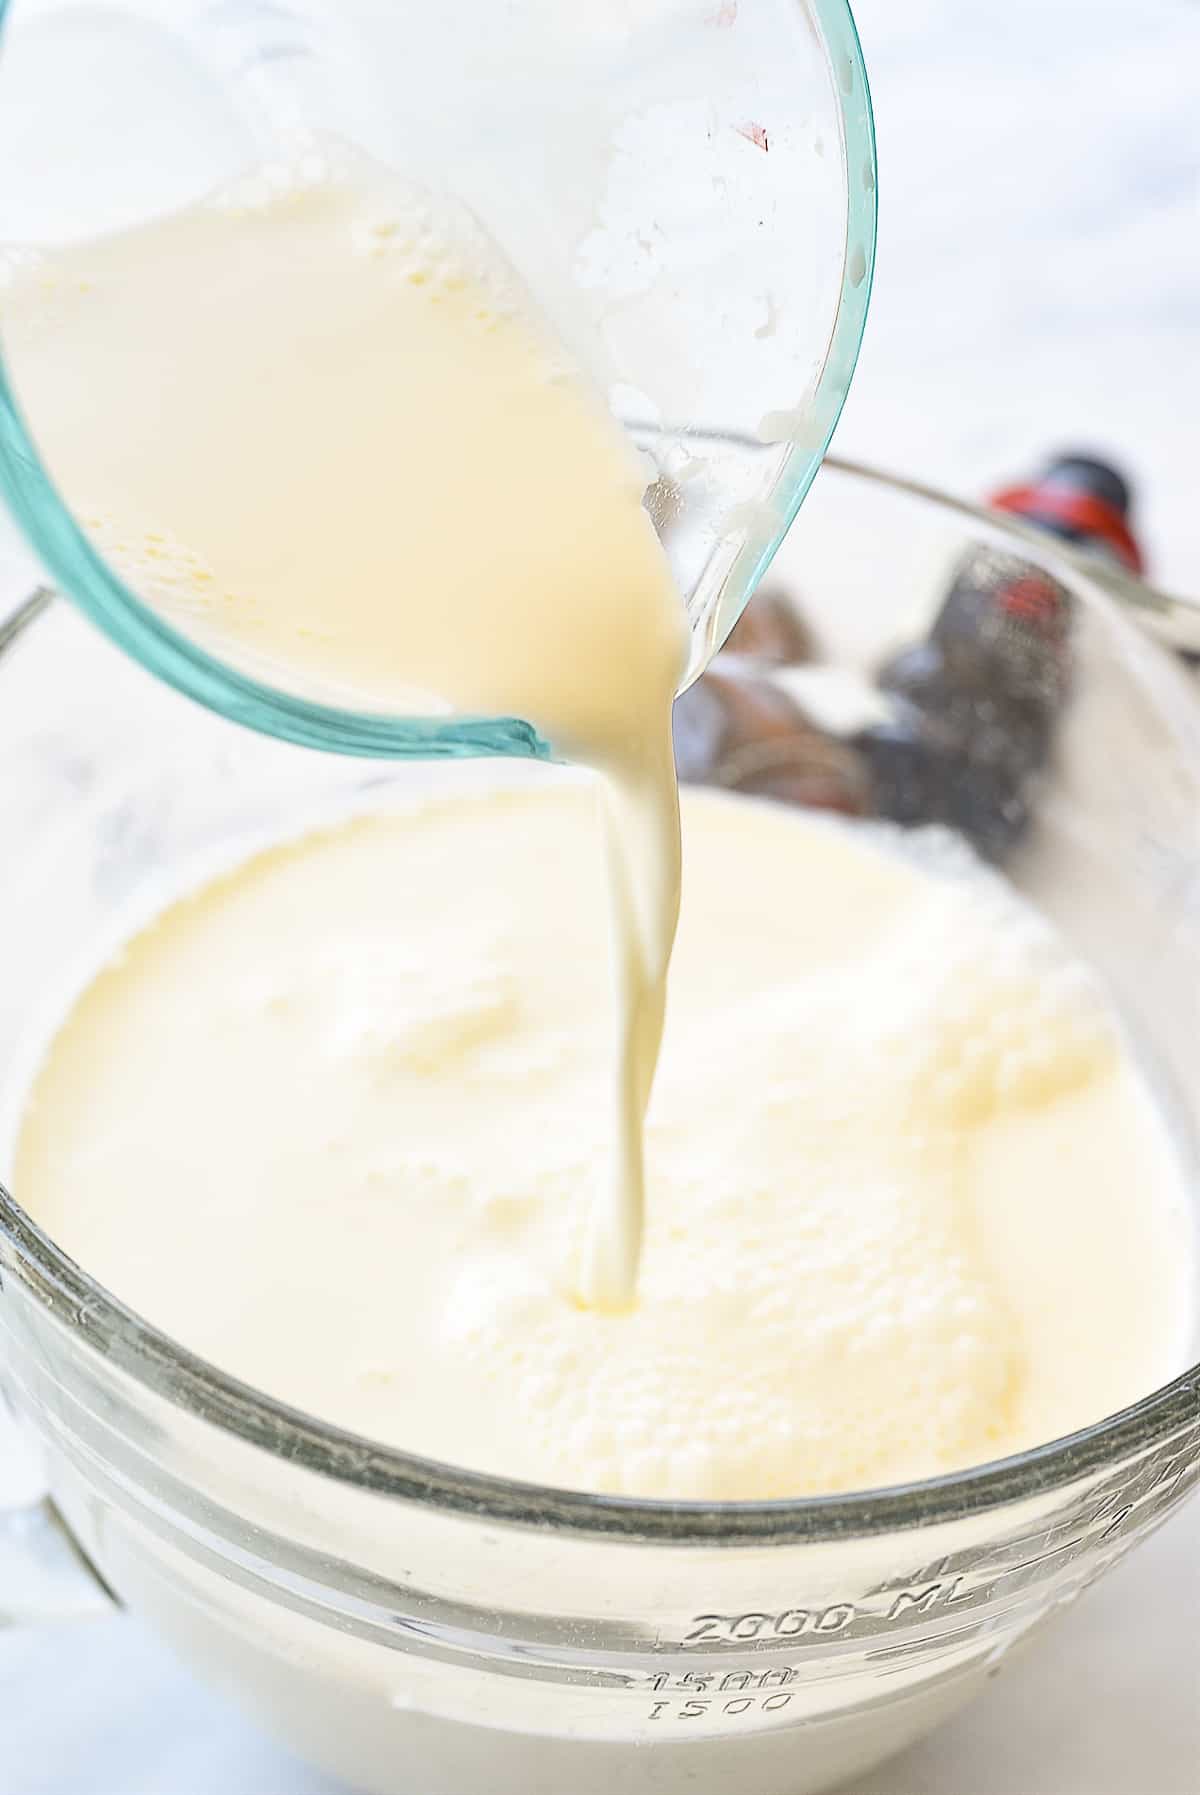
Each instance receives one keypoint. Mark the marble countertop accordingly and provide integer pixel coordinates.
(1039, 283)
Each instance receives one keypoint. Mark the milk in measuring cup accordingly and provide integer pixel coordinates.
(316, 422)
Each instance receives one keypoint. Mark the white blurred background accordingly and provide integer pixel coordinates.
(1039, 250)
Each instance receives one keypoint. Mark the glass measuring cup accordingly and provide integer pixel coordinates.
(413, 1627)
(687, 188)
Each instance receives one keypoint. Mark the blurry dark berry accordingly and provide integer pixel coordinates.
(772, 628)
(1004, 629)
(973, 781)
(917, 674)
(737, 729)
(912, 768)
(989, 807)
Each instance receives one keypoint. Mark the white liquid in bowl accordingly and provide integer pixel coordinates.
(331, 1122)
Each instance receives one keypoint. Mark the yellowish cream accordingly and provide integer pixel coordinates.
(333, 1122)
(317, 423)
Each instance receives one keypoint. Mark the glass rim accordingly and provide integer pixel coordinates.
(32, 498)
(204, 1392)
(152, 1359)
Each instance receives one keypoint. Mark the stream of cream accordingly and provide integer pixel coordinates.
(316, 423)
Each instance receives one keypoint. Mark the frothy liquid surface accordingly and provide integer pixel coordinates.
(332, 1122)
(317, 423)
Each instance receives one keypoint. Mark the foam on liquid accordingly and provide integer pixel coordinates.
(317, 423)
(331, 1122)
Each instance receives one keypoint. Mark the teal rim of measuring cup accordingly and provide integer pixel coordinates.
(82, 575)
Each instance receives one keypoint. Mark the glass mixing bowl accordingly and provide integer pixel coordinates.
(414, 1627)
(687, 188)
